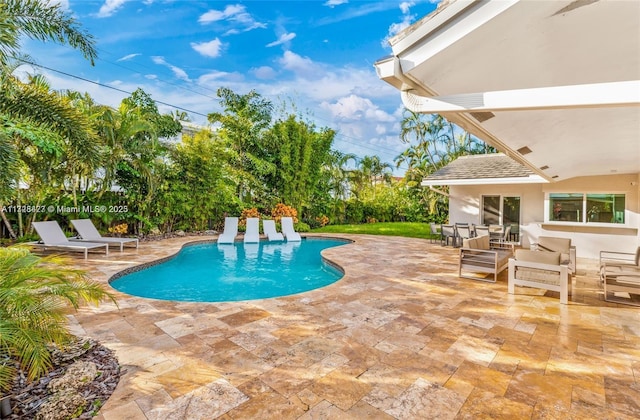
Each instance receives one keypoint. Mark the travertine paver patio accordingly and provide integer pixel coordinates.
(400, 336)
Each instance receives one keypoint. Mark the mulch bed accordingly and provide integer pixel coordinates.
(28, 397)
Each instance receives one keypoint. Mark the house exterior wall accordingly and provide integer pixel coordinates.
(465, 201)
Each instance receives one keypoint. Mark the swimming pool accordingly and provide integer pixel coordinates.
(214, 272)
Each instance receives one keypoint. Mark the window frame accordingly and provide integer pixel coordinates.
(583, 209)
(501, 210)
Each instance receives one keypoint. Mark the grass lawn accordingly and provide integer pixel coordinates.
(409, 229)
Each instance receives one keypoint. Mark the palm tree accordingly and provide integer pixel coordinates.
(34, 294)
(53, 139)
(243, 123)
(25, 111)
(371, 170)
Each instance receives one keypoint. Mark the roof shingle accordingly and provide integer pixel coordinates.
(496, 165)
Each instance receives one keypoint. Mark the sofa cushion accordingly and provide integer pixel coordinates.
(483, 242)
(555, 244)
(538, 276)
(538, 256)
(503, 257)
(470, 243)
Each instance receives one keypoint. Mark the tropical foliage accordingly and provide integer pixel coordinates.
(34, 293)
(48, 142)
(77, 156)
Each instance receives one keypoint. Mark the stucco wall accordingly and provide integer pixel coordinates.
(464, 206)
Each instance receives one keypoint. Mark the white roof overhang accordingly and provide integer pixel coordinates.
(531, 179)
(555, 85)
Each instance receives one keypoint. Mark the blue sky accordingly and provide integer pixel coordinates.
(316, 54)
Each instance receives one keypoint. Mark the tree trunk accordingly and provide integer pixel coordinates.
(12, 234)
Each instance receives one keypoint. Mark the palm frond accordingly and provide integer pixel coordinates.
(47, 21)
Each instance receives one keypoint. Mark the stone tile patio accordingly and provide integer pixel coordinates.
(400, 336)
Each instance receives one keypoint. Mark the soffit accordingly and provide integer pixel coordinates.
(531, 44)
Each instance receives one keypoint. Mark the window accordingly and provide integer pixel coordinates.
(605, 208)
(587, 208)
(565, 207)
(499, 210)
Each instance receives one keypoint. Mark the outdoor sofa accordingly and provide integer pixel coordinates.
(480, 256)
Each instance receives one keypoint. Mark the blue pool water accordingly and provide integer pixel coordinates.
(219, 273)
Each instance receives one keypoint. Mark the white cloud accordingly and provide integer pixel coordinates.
(217, 15)
(282, 39)
(334, 3)
(127, 57)
(208, 49)
(233, 13)
(264, 72)
(395, 28)
(64, 4)
(151, 76)
(405, 6)
(177, 71)
(214, 77)
(110, 7)
(357, 108)
(296, 63)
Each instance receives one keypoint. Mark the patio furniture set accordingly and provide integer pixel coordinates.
(456, 233)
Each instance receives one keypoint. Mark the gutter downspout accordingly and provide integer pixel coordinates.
(409, 100)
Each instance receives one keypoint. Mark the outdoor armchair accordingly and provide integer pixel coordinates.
(620, 274)
(541, 270)
(479, 257)
(562, 245)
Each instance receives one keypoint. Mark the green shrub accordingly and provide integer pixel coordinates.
(34, 295)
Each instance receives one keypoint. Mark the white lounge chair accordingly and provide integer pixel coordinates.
(269, 227)
(230, 231)
(252, 234)
(53, 237)
(89, 233)
(288, 230)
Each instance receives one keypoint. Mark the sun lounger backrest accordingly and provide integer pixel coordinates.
(231, 225)
(86, 229)
(287, 225)
(50, 232)
(288, 230)
(253, 225)
(269, 227)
